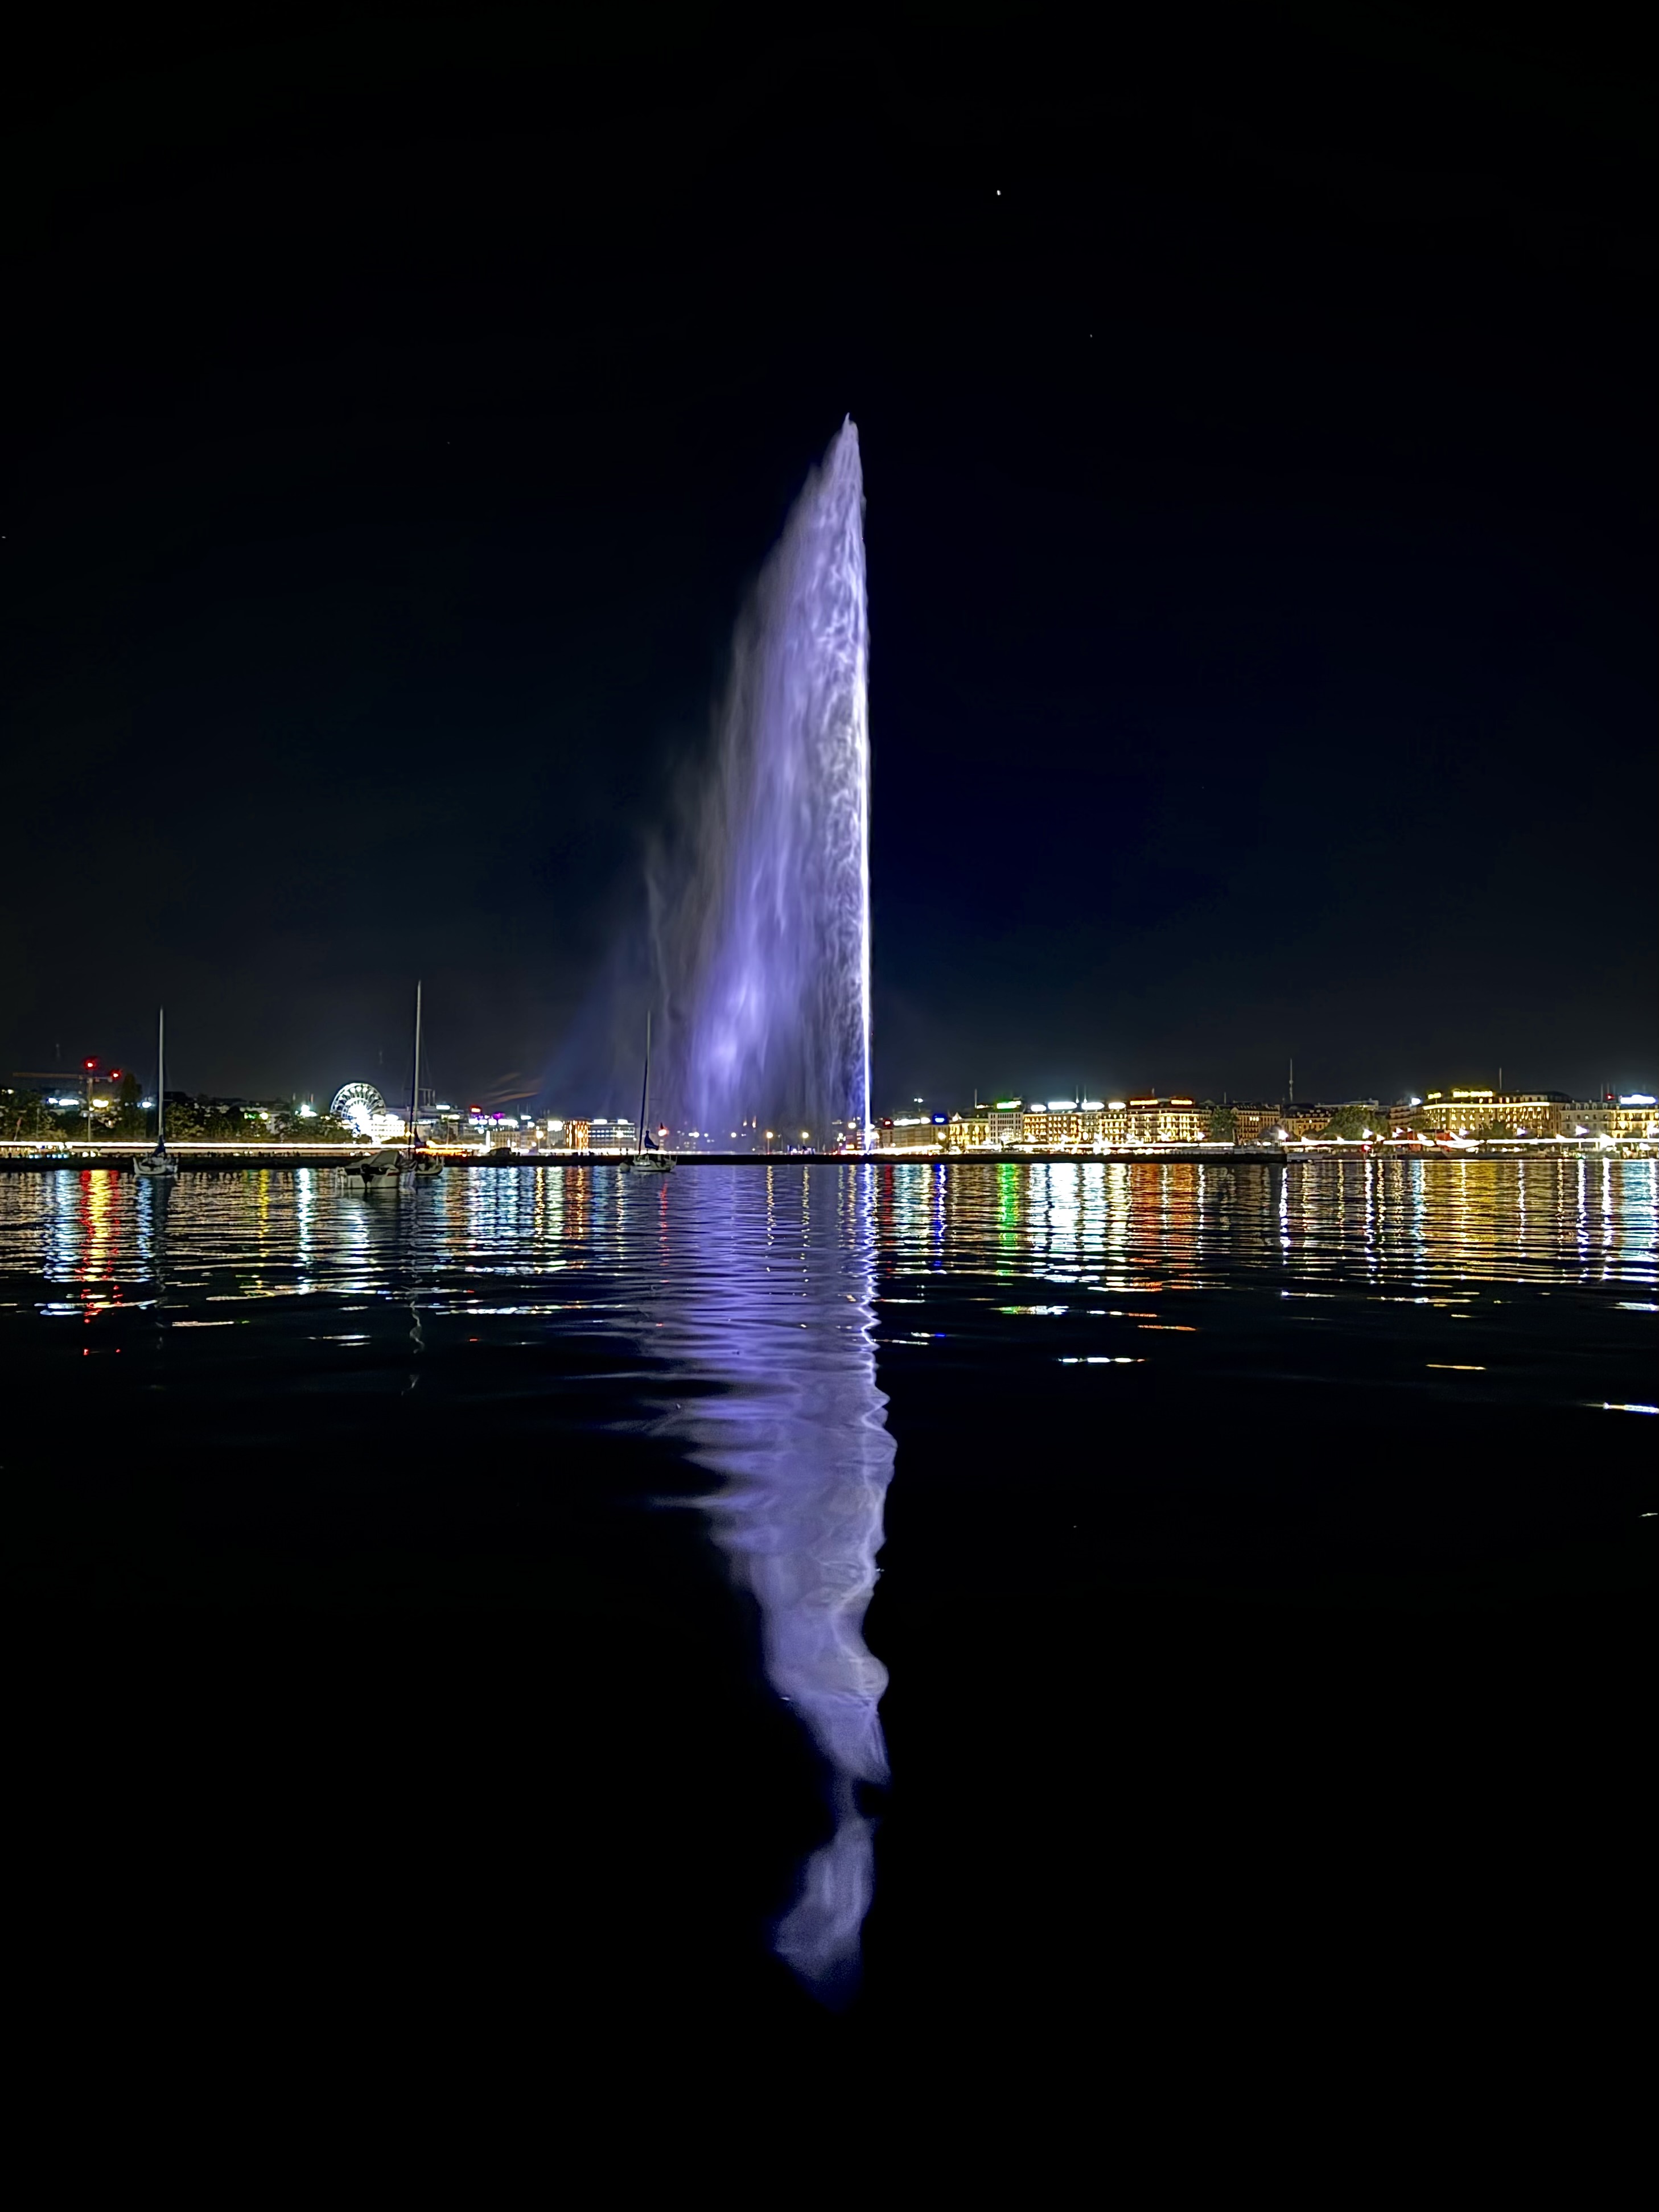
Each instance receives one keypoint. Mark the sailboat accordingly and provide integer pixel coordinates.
(158, 1166)
(648, 1157)
(373, 1167)
(419, 1161)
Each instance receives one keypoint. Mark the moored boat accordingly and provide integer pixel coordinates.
(376, 1166)
(158, 1166)
(647, 1156)
(419, 1161)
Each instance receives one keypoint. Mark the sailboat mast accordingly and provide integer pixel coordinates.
(415, 1079)
(645, 1087)
(160, 1077)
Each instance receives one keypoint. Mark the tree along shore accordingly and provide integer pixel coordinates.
(122, 1117)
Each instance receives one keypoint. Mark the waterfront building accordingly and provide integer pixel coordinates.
(490, 1128)
(1062, 1125)
(911, 1133)
(1065, 1125)
(1002, 1120)
(1260, 1121)
(1108, 1124)
(1093, 1125)
(1270, 1121)
(969, 1132)
(1163, 1122)
(1465, 1113)
(1309, 1119)
(1056, 1127)
(1624, 1122)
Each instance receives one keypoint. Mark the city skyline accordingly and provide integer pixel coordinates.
(108, 1107)
(1624, 1085)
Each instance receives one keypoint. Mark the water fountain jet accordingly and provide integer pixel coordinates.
(762, 947)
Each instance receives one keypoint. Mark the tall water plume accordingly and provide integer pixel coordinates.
(762, 932)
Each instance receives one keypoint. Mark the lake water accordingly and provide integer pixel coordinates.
(827, 1598)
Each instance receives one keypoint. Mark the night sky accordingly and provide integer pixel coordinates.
(1255, 421)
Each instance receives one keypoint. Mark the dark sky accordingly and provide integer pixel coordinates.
(1256, 420)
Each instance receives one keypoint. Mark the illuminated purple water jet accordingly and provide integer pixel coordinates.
(764, 948)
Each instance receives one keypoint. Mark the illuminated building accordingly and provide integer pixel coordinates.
(1059, 1126)
(1476, 1112)
(1625, 1121)
(911, 1133)
(1163, 1121)
(1465, 1113)
(1259, 1123)
(1093, 1125)
(969, 1132)
(1270, 1122)
(1308, 1120)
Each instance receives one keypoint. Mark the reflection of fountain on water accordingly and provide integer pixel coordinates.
(768, 1294)
(763, 941)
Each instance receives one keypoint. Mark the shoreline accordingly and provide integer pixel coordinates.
(118, 1157)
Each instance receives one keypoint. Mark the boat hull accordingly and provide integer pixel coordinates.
(376, 1167)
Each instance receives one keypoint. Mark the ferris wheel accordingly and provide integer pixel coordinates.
(357, 1104)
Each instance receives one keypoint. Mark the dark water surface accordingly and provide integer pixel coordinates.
(465, 1588)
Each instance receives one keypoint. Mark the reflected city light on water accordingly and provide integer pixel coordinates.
(754, 1320)
(1383, 1221)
